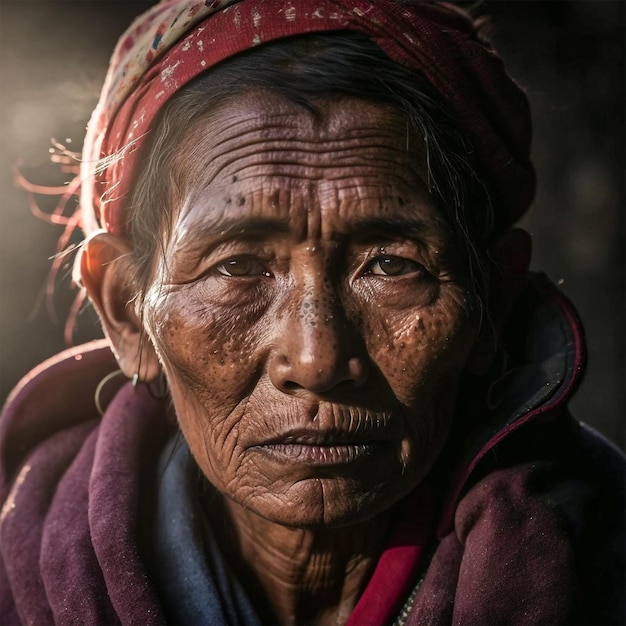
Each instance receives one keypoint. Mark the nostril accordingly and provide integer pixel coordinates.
(347, 384)
(302, 374)
(316, 362)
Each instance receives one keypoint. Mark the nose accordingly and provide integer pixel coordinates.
(317, 351)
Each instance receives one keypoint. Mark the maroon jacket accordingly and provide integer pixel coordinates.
(529, 503)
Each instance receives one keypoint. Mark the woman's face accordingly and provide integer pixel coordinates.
(310, 311)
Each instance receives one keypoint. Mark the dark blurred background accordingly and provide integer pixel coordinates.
(568, 54)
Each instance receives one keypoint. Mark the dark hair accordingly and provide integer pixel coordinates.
(303, 70)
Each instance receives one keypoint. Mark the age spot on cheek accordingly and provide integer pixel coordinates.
(418, 326)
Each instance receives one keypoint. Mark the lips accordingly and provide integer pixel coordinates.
(320, 455)
(317, 437)
(321, 448)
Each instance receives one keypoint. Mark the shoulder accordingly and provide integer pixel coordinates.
(74, 487)
(55, 396)
(545, 537)
(538, 537)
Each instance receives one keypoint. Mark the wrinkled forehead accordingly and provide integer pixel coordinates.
(259, 133)
(322, 173)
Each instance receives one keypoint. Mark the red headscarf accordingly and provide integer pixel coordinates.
(177, 40)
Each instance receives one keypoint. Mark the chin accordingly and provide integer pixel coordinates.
(324, 503)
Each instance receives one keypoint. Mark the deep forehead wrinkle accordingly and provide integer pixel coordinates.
(288, 120)
(304, 154)
(236, 136)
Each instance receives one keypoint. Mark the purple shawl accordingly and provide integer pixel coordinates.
(536, 536)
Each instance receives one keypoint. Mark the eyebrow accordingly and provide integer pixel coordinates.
(365, 230)
(372, 228)
(226, 227)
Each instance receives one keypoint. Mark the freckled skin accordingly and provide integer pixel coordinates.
(291, 323)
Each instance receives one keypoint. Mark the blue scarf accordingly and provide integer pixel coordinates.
(195, 584)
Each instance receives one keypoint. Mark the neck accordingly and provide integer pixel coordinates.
(295, 575)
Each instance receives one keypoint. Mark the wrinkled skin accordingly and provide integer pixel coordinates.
(312, 316)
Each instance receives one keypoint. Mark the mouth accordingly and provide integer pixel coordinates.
(319, 448)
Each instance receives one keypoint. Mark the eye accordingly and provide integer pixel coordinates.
(392, 266)
(242, 266)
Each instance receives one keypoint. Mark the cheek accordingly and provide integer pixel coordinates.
(212, 365)
(207, 350)
(421, 353)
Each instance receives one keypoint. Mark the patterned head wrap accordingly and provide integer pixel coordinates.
(177, 40)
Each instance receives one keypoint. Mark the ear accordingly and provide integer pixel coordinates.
(511, 254)
(106, 266)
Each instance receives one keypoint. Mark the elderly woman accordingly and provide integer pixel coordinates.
(346, 398)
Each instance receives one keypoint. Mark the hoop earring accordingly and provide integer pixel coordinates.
(100, 387)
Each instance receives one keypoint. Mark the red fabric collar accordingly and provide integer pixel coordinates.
(396, 570)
